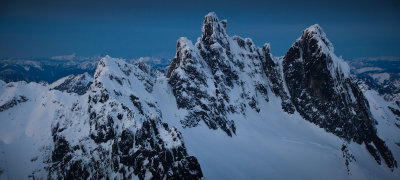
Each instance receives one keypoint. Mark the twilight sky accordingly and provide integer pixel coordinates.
(131, 29)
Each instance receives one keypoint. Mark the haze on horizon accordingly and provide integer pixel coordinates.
(131, 29)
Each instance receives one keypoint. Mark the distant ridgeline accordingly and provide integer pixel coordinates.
(381, 74)
(47, 70)
(51, 70)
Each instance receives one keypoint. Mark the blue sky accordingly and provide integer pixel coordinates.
(131, 29)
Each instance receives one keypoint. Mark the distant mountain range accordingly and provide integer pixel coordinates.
(381, 74)
(55, 68)
(47, 70)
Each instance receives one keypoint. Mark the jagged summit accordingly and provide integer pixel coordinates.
(315, 29)
(212, 15)
(267, 48)
(214, 30)
(207, 77)
(183, 47)
(314, 42)
(316, 32)
(323, 93)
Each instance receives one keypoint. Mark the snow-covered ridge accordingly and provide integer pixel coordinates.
(85, 77)
(73, 83)
(113, 128)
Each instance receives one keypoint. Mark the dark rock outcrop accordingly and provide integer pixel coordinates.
(204, 77)
(13, 102)
(273, 70)
(78, 84)
(323, 93)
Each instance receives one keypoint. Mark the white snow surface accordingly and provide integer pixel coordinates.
(25, 129)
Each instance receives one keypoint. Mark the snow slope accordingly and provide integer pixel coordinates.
(25, 130)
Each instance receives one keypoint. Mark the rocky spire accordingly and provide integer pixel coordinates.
(183, 51)
(214, 30)
(315, 42)
(316, 32)
(322, 92)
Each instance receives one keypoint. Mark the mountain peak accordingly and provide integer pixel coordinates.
(315, 43)
(212, 16)
(317, 33)
(314, 28)
(183, 49)
(213, 30)
(266, 48)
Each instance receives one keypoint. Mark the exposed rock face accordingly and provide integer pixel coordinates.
(322, 92)
(124, 137)
(78, 84)
(13, 102)
(206, 77)
(273, 69)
